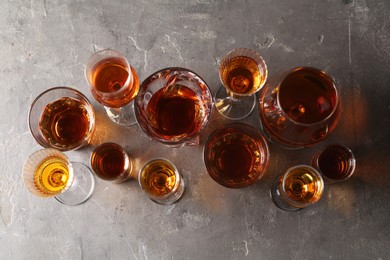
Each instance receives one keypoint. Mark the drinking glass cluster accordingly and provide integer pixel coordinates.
(298, 108)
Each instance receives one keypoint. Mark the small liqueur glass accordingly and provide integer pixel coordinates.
(62, 118)
(299, 187)
(335, 162)
(242, 72)
(161, 181)
(173, 106)
(114, 83)
(49, 173)
(299, 107)
(110, 162)
(236, 155)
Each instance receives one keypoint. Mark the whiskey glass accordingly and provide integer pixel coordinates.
(299, 187)
(110, 162)
(114, 83)
(242, 72)
(62, 118)
(49, 173)
(173, 106)
(299, 107)
(161, 181)
(335, 162)
(236, 155)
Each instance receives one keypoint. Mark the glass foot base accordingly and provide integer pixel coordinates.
(232, 108)
(82, 187)
(123, 116)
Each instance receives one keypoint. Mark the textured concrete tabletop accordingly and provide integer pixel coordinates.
(46, 43)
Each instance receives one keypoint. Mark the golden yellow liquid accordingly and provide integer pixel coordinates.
(302, 186)
(158, 178)
(52, 175)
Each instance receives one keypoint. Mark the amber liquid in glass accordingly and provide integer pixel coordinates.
(307, 96)
(335, 162)
(110, 162)
(65, 122)
(302, 186)
(242, 75)
(109, 79)
(51, 175)
(158, 178)
(175, 111)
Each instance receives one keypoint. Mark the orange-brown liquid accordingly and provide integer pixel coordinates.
(109, 161)
(242, 75)
(175, 111)
(302, 186)
(307, 96)
(158, 178)
(111, 84)
(65, 122)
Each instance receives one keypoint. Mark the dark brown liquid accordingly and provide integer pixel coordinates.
(65, 122)
(109, 161)
(174, 111)
(110, 76)
(307, 96)
(235, 157)
(335, 162)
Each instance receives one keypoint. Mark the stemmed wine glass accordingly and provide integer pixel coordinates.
(299, 107)
(62, 118)
(242, 72)
(236, 155)
(49, 173)
(299, 187)
(114, 83)
(173, 106)
(161, 181)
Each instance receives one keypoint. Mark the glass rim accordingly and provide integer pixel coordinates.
(237, 125)
(261, 64)
(313, 171)
(128, 68)
(128, 161)
(337, 95)
(66, 88)
(177, 178)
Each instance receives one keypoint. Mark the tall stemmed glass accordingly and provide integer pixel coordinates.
(299, 107)
(49, 173)
(114, 83)
(173, 106)
(242, 72)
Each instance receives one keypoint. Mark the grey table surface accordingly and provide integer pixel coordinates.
(46, 43)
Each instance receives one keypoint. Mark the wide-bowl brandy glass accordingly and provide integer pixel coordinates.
(299, 107)
(49, 173)
(161, 181)
(299, 187)
(173, 106)
(114, 83)
(62, 118)
(110, 162)
(242, 72)
(236, 155)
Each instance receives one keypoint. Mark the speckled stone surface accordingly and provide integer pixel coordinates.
(46, 43)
